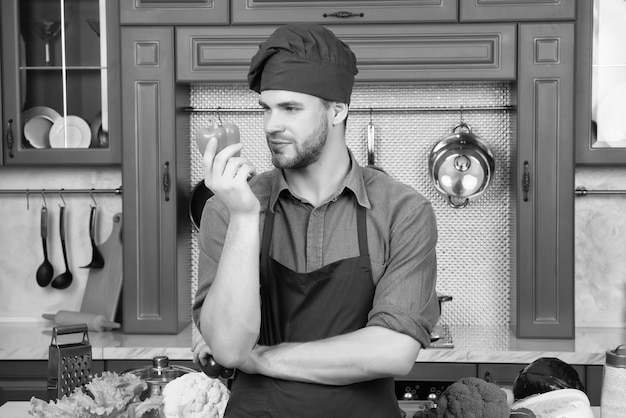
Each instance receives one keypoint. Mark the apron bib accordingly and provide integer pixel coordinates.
(301, 307)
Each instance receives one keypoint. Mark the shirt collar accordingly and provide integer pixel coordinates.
(354, 182)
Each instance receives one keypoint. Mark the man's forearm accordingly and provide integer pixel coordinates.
(369, 353)
(231, 313)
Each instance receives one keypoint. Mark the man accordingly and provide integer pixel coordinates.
(342, 296)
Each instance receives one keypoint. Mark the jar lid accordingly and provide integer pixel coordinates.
(617, 357)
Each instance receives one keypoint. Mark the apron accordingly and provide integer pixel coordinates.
(300, 307)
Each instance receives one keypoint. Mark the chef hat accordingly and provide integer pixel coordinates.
(305, 58)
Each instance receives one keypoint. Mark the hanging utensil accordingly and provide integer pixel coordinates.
(45, 272)
(97, 261)
(371, 137)
(63, 280)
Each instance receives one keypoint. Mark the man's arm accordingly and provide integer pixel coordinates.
(230, 317)
(369, 353)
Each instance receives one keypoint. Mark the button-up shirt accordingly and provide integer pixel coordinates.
(402, 237)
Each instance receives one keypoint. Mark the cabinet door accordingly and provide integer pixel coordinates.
(348, 12)
(156, 289)
(543, 295)
(516, 10)
(384, 52)
(58, 107)
(163, 12)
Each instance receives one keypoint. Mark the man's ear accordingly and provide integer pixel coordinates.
(340, 112)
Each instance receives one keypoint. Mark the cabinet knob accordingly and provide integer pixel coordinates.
(166, 180)
(526, 181)
(10, 137)
(343, 14)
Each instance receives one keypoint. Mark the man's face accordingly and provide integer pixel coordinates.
(296, 127)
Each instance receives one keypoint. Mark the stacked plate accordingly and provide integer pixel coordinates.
(44, 127)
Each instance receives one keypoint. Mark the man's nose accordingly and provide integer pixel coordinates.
(273, 123)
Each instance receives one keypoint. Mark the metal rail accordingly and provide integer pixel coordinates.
(117, 191)
(362, 109)
(583, 191)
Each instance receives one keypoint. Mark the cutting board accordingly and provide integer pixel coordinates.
(104, 286)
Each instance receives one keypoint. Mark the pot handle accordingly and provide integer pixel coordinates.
(462, 125)
(457, 205)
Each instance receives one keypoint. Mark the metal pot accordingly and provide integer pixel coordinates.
(461, 166)
(158, 375)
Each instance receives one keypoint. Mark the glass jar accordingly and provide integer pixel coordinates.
(613, 400)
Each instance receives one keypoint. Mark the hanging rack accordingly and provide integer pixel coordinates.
(117, 191)
(583, 191)
(363, 109)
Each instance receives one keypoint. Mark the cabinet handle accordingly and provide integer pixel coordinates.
(526, 181)
(10, 137)
(343, 14)
(166, 180)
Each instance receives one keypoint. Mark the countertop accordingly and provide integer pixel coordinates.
(20, 410)
(472, 344)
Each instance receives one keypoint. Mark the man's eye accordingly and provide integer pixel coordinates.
(291, 109)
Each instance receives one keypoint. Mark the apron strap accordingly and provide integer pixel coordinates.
(361, 225)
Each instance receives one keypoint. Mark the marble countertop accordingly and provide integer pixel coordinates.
(472, 344)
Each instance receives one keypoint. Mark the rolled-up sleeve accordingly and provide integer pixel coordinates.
(406, 299)
(213, 228)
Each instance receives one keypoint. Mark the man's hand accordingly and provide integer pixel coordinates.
(226, 175)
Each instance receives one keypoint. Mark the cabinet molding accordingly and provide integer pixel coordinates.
(384, 53)
(343, 12)
(162, 12)
(516, 10)
(544, 288)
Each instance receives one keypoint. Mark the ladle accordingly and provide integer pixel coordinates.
(45, 272)
(63, 280)
(97, 260)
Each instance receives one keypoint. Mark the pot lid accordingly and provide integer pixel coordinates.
(161, 371)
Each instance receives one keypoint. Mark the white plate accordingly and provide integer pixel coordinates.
(38, 121)
(70, 132)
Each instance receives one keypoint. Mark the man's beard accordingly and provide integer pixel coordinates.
(306, 153)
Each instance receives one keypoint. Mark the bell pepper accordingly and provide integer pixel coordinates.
(226, 134)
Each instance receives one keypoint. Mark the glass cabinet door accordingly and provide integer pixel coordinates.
(57, 108)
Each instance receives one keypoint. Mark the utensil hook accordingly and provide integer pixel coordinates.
(62, 199)
(219, 118)
(461, 112)
(43, 197)
(95, 204)
(27, 199)
(371, 110)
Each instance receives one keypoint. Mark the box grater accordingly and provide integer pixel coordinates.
(69, 365)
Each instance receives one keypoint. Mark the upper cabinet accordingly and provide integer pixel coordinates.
(346, 12)
(601, 83)
(398, 52)
(174, 12)
(516, 10)
(55, 81)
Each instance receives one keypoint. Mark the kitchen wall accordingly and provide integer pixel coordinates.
(474, 245)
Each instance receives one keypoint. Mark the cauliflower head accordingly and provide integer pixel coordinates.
(472, 397)
(195, 395)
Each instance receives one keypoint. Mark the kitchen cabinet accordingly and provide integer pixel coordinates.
(434, 52)
(347, 12)
(58, 83)
(543, 280)
(516, 10)
(156, 289)
(590, 149)
(175, 12)
(504, 375)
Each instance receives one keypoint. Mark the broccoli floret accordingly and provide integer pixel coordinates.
(471, 397)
